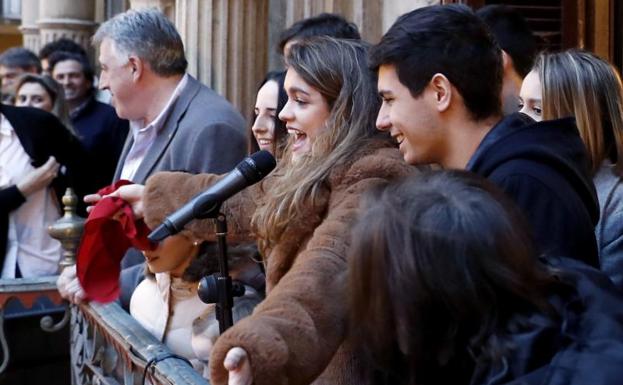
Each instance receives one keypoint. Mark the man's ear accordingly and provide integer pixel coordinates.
(442, 90)
(136, 66)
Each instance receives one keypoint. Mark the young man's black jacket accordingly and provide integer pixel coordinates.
(543, 167)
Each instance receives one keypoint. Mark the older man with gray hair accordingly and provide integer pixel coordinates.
(176, 123)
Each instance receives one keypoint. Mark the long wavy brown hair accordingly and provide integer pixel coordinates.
(442, 267)
(338, 69)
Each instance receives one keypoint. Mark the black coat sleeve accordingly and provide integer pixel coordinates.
(10, 199)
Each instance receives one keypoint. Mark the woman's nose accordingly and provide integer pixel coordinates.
(285, 114)
(259, 125)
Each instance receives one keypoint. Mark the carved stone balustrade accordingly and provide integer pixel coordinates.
(109, 347)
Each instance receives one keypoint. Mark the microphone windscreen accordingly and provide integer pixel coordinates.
(257, 166)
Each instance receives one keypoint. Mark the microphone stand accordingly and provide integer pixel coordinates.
(223, 280)
(218, 288)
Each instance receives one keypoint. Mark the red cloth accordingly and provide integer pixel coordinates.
(109, 231)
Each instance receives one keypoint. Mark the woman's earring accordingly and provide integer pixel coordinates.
(196, 243)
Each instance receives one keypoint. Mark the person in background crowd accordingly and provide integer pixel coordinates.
(448, 112)
(300, 215)
(60, 45)
(13, 63)
(41, 91)
(519, 48)
(69, 46)
(166, 302)
(33, 146)
(176, 123)
(324, 24)
(446, 288)
(98, 126)
(268, 131)
(580, 84)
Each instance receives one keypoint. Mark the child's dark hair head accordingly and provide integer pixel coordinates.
(439, 263)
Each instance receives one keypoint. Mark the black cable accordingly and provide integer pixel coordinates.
(159, 358)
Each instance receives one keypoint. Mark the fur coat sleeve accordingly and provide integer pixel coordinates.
(165, 192)
(294, 334)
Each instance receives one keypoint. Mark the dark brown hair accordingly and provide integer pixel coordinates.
(446, 39)
(439, 264)
(280, 135)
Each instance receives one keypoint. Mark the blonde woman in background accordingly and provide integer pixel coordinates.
(578, 83)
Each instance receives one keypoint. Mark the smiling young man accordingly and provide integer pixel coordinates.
(440, 77)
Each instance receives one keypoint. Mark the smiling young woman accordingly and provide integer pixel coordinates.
(268, 132)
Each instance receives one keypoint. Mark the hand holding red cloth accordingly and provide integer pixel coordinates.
(109, 231)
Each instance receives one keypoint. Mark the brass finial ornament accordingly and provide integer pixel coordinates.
(68, 229)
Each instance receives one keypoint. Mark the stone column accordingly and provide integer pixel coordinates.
(67, 18)
(29, 27)
(373, 17)
(165, 6)
(393, 9)
(226, 45)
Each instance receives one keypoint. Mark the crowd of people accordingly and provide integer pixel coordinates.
(446, 206)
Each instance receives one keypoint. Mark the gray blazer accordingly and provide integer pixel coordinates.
(203, 133)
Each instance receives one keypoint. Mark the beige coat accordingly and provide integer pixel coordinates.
(171, 311)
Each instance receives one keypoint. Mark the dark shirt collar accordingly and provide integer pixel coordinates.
(73, 114)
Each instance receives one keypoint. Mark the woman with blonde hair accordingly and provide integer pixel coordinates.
(580, 84)
(301, 215)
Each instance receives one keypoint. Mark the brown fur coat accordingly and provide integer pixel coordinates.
(296, 335)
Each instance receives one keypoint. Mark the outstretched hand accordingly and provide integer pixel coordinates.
(69, 287)
(239, 368)
(132, 193)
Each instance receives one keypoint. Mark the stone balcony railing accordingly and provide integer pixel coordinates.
(109, 347)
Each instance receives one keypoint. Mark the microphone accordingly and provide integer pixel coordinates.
(251, 170)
